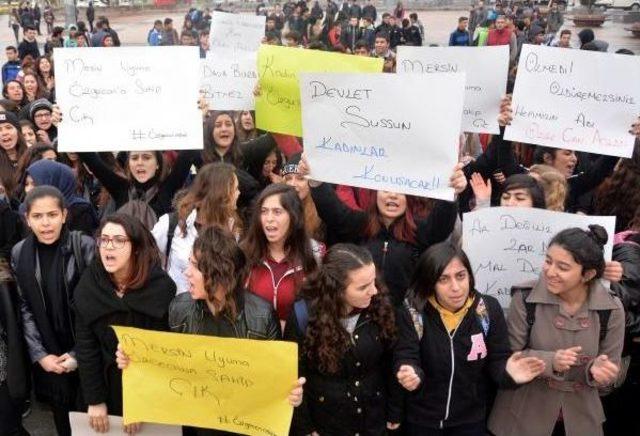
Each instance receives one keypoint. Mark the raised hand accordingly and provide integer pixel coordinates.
(506, 112)
(481, 189)
(458, 181)
(524, 369)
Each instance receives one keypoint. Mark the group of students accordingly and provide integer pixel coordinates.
(373, 285)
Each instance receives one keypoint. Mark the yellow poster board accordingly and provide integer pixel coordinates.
(278, 106)
(236, 385)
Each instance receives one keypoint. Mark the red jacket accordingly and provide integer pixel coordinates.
(499, 37)
(281, 294)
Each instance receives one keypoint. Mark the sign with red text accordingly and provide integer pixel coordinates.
(575, 99)
(507, 245)
(486, 69)
(365, 130)
(128, 98)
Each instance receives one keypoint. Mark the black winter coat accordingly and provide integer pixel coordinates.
(456, 382)
(360, 398)
(11, 330)
(393, 258)
(97, 308)
(628, 289)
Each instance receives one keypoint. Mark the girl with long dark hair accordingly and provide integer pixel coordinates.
(47, 266)
(278, 248)
(344, 325)
(389, 229)
(126, 286)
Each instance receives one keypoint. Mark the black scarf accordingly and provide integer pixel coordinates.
(95, 295)
(48, 299)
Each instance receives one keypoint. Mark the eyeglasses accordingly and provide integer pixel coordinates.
(117, 242)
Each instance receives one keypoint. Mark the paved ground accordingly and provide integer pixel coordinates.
(133, 29)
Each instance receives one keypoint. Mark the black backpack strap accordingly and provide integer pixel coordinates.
(302, 316)
(530, 309)
(173, 223)
(604, 316)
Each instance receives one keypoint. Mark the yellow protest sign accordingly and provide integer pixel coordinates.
(278, 106)
(236, 385)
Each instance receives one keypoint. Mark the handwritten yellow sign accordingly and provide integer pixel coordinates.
(236, 385)
(278, 106)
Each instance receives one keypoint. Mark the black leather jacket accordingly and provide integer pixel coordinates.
(85, 245)
(256, 317)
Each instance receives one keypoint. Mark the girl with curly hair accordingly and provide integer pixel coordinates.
(217, 303)
(345, 328)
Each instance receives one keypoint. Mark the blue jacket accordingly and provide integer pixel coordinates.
(10, 71)
(459, 38)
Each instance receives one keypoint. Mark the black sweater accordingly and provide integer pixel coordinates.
(394, 259)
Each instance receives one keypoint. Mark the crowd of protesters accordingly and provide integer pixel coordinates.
(236, 241)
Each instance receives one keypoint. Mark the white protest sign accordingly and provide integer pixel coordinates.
(228, 82)
(128, 98)
(228, 74)
(486, 69)
(365, 130)
(507, 245)
(576, 99)
(236, 32)
(80, 427)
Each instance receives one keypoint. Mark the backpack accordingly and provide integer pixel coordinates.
(530, 309)
(173, 223)
(302, 315)
(138, 206)
(481, 315)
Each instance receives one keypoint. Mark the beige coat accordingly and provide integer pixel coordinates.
(533, 409)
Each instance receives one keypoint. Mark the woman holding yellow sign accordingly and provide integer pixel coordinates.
(217, 303)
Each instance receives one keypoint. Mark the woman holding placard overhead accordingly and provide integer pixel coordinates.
(572, 322)
(388, 229)
(345, 328)
(125, 286)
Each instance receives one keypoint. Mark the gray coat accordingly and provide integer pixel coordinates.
(534, 409)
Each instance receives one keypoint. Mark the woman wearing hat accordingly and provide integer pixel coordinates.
(12, 144)
(40, 114)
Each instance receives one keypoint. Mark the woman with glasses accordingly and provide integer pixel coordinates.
(125, 286)
(47, 265)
